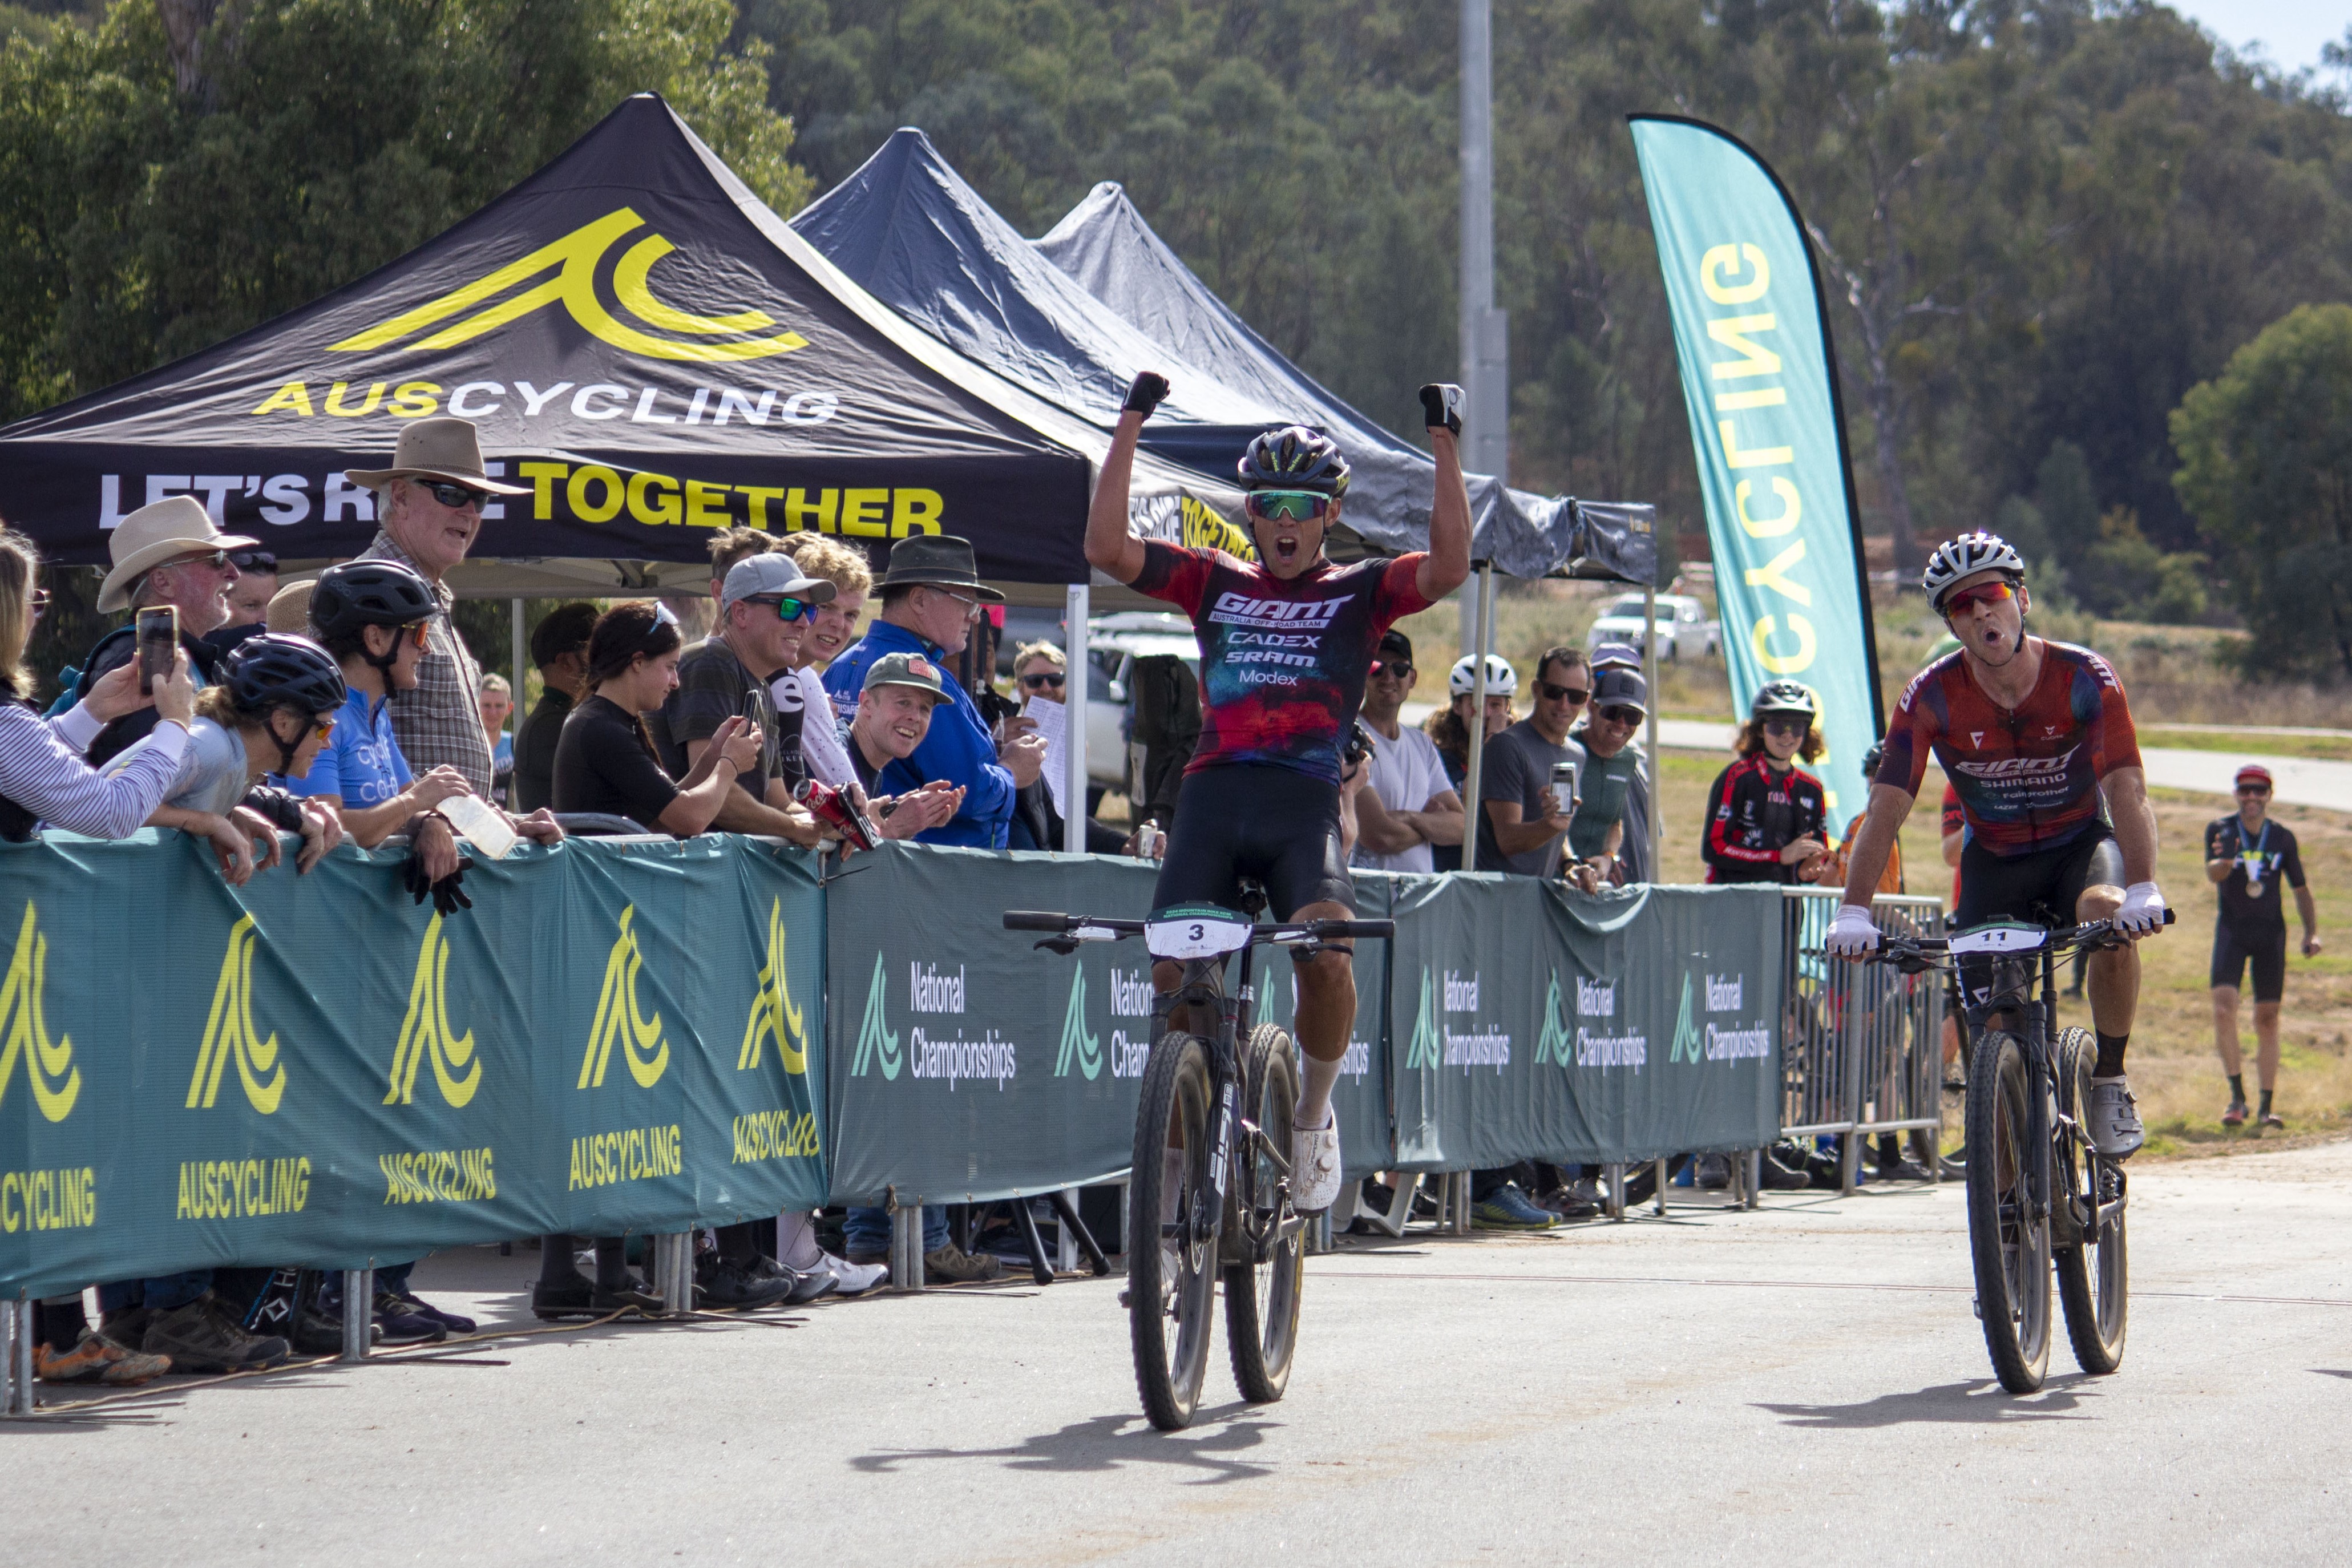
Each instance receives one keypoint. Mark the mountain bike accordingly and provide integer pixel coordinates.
(1210, 1190)
(2039, 1195)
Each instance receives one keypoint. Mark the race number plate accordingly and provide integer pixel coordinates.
(2000, 939)
(1178, 933)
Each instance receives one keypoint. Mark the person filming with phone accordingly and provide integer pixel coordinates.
(174, 567)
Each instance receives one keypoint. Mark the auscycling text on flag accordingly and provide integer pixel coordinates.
(1753, 341)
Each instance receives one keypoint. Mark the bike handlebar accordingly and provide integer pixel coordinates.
(1061, 924)
(1035, 920)
(1894, 947)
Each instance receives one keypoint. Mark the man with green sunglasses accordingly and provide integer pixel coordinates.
(1288, 641)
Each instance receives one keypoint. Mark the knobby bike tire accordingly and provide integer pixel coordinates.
(2011, 1254)
(1169, 1368)
(1262, 1300)
(2094, 1278)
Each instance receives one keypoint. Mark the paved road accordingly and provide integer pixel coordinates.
(1803, 1380)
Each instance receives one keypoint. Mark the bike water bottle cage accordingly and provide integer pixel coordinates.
(1196, 931)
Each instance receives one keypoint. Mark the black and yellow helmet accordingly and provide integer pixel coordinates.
(1294, 458)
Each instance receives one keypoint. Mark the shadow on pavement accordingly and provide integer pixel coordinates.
(2330, 1371)
(1113, 1442)
(1977, 1400)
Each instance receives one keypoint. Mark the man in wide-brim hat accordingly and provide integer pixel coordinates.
(167, 552)
(428, 510)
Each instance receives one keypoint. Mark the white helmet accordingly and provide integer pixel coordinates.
(1965, 557)
(1500, 677)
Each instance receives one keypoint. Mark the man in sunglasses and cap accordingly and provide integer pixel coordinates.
(2037, 738)
(2249, 856)
(429, 507)
(931, 598)
(1287, 643)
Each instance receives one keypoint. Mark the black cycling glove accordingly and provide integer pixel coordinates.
(1146, 394)
(1441, 404)
(448, 894)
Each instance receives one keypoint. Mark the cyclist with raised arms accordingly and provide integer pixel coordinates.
(2033, 734)
(1287, 643)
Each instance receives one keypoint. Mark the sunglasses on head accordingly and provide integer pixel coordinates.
(1574, 696)
(260, 560)
(1618, 713)
(1297, 505)
(1051, 678)
(788, 609)
(1986, 594)
(455, 497)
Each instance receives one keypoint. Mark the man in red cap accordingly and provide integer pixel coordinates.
(2248, 855)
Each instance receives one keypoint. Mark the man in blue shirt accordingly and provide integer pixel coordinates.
(931, 596)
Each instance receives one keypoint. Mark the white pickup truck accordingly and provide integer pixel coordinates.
(1682, 626)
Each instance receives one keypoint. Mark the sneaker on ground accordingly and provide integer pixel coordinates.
(948, 1264)
(629, 1296)
(728, 1286)
(1901, 1169)
(2236, 1115)
(2273, 1118)
(127, 1326)
(1778, 1177)
(849, 1278)
(97, 1359)
(571, 1297)
(1314, 1168)
(403, 1324)
(424, 1309)
(319, 1332)
(2114, 1119)
(1563, 1202)
(1714, 1172)
(802, 1286)
(205, 1336)
(1506, 1208)
(1953, 1165)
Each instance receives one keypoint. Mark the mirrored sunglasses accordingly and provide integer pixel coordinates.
(1982, 593)
(1297, 505)
(787, 608)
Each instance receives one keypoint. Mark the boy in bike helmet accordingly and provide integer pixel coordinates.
(2036, 736)
(1287, 643)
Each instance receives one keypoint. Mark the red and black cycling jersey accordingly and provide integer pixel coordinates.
(1753, 812)
(1283, 664)
(2029, 778)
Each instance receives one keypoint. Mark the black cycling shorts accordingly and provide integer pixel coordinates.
(2264, 945)
(1276, 824)
(2041, 886)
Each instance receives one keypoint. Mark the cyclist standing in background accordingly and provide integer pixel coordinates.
(1766, 818)
(2033, 734)
(2247, 855)
(1287, 644)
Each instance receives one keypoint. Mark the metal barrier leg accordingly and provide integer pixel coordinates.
(907, 1248)
(1754, 1166)
(1659, 1198)
(16, 1392)
(1935, 1154)
(674, 1273)
(1849, 1162)
(359, 1311)
(1616, 1175)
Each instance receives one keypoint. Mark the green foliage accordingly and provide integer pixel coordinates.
(2266, 469)
(153, 202)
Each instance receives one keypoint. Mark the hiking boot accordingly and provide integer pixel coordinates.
(403, 1324)
(97, 1359)
(1506, 1208)
(205, 1336)
(727, 1286)
(572, 1298)
(952, 1265)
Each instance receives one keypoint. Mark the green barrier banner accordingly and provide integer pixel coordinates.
(312, 1070)
(1752, 337)
(1530, 1022)
(964, 1064)
(1360, 1098)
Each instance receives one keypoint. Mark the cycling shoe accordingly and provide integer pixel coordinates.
(2113, 1118)
(1314, 1168)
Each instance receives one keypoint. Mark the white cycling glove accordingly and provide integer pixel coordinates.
(2143, 910)
(1852, 934)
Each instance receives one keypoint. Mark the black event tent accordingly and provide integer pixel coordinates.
(640, 340)
(1074, 317)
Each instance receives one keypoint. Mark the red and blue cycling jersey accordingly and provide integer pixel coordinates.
(2027, 779)
(1283, 664)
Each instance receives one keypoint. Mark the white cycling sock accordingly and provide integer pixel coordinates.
(1313, 1112)
(796, 1245)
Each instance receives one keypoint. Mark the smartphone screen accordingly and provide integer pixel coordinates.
(159, 633)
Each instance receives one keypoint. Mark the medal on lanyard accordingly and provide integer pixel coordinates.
(2252, 860)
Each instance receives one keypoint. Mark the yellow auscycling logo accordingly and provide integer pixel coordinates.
(425, 1031)
(229, 1032)
(575, 259)
(617, 1018)
(25, 1028)
(773, 1015)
